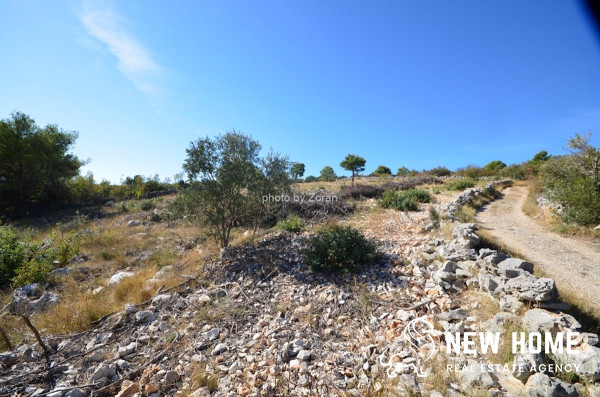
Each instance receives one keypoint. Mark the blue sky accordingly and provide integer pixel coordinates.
(414, 83)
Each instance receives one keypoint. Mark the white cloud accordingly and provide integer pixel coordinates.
(134, 61)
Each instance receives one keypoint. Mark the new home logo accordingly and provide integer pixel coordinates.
(418, 335)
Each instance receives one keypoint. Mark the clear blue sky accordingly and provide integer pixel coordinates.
(414, 83)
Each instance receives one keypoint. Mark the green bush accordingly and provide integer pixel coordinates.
(24, 262)
(67, 248)
(404, 201)
(439, 171)
(32, 272)
(38, 263)
(293, 224)
(337, 248)
(146, 205)
(460, 184)
(573, 180)
(12, 254)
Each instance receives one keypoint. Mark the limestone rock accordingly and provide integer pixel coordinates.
(540, 320)
(118, 277)
(528, 287)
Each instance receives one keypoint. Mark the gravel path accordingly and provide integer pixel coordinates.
(573, 263)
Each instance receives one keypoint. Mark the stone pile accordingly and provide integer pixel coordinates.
(470, 195)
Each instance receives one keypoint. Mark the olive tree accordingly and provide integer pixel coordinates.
(229, 182)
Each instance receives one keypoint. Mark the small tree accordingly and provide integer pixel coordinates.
(297, 170)
(229, 182)
(538, 160)
(353, 163)
(573, 180)
(382, 170)
(402, 171)
(493, 167)
(440, 171)
(327, 174)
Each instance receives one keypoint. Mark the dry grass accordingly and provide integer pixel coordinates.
(201, 378)
(489, 241)
(487, 307)
(530, 206)
(505, 354)
(111, 246)
(78, 308)
(586, 313)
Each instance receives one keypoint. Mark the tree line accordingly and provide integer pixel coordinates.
(226, 176)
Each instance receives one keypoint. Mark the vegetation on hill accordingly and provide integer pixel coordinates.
(354, 164)
(35, 163)
(573, 180)
(336, 248)
(230, 184)
(327, 174)
(404, 201)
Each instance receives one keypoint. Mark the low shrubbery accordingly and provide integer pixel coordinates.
(146, 205)
(573, 181)
(404, 201)
(24, 261)
(337, 248)
(460, 184)
(376, 190)
(293, 224)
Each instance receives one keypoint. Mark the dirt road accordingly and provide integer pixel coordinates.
(573, 263)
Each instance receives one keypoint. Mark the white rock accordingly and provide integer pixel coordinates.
(303, 355)
(144, 316)
(220, 348)
(118, 277)
(213, 334)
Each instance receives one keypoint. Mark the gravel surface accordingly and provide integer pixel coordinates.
(573, 262)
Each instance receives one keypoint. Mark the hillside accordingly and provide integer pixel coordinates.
(149, 307)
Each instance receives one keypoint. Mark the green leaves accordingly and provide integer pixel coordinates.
(338, 248)
(573, 180)
(34, 162)
(228, 180)
(404, 201)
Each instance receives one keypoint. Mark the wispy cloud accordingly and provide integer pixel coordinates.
(134, 61)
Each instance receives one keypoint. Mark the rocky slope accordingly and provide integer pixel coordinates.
(258, 321)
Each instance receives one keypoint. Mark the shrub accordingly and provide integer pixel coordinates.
(376, 190)
(460, 184)
(573, 180)
(12, 254)
(404, 201)
(146, 205)
(33, 271)
(38, 263)
(439, 171)
(382, 170)
(67, 248)
(293, 224)
(337, 248)
(434, 216)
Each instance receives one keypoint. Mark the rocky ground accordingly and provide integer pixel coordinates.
(258, 321)
(573, 262)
